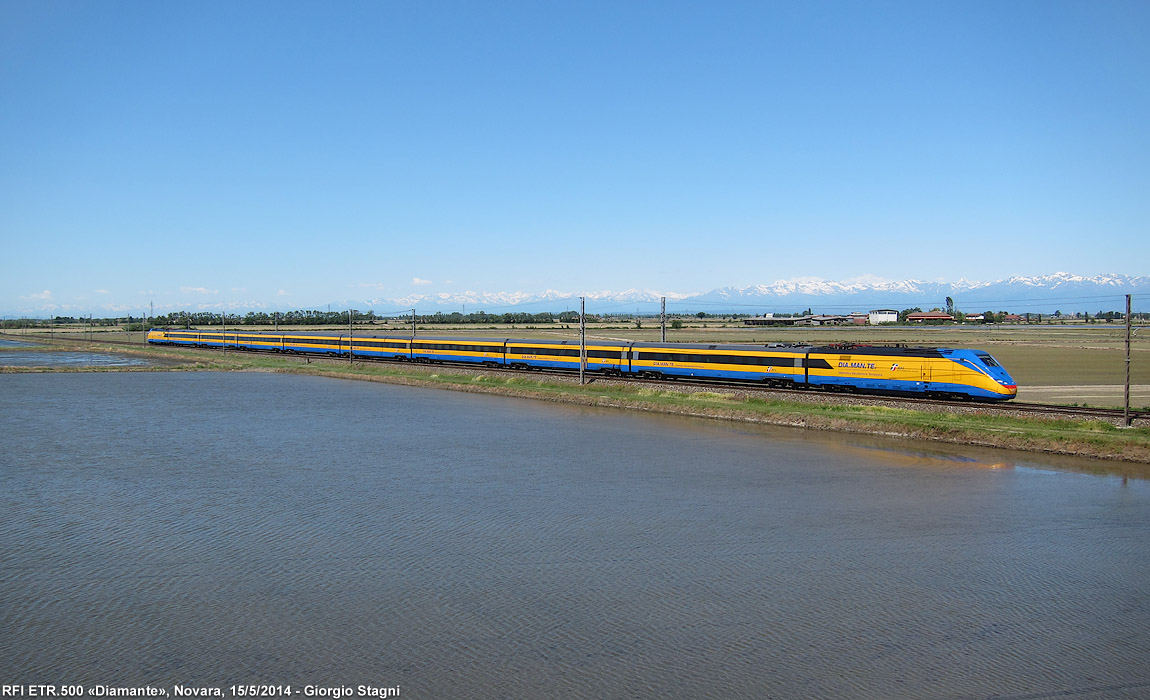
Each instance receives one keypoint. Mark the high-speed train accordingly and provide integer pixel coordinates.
(941, 372)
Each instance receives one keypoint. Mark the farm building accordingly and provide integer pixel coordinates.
(770, 320)
(815, 320)
(882, 316)
(929, 316)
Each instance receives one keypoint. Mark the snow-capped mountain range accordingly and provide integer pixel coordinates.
(1043, 294)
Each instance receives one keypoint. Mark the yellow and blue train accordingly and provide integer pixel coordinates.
(942, 372)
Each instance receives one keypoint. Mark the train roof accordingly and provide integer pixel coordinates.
(774, 347)
(449, 338)
(885, 350)
(559, 341)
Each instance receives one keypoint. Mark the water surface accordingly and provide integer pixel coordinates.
(223, 528)
(15, 353)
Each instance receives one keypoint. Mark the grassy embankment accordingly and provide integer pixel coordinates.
(1085, 438)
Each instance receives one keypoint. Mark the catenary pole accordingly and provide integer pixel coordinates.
(1126, 389)
(349, 331)
(413, 322)
(582, 341)
(663, 319)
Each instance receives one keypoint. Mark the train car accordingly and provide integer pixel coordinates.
(340, 344)
(387, 347)
(164, 336)
(942, 372)
(255, 341)
(607, 357)
(215, 339)
(312, 343)
(776, 365)
(335, 344)
(485, 351)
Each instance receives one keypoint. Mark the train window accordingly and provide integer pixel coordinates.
(605, 354)
(456, 347)
(988, 360)
(561, 352)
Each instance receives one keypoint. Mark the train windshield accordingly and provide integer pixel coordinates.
(988, 360)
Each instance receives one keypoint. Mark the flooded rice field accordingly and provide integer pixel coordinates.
(215, 529)
(15, 353)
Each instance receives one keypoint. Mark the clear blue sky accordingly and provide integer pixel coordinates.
(293, 153)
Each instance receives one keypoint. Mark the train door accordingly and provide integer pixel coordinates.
(925, 372)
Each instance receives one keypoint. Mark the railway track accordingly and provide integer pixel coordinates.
(1115, 415)
(1111, 414)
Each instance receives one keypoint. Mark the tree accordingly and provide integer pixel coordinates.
(949, 305)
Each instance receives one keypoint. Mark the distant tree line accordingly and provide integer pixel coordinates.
(187, 319)
(337, 318)
(136, 322)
